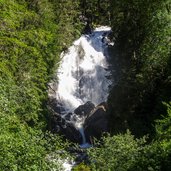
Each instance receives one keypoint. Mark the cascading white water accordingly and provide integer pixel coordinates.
(82, 74)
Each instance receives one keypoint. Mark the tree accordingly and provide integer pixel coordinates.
(125, 153)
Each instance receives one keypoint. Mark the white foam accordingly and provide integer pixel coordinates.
(67, 166)
(81, 74)
(103, 28)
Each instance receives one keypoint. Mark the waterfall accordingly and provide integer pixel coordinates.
(82, 75)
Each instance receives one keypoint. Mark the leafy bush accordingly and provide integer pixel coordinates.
(29, 49)
(163, 134)
(124, 153)
(23, 148)
(81, 167)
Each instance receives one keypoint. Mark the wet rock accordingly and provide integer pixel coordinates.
(80, 155)
(97, 122)
(81, 158)
(85, 109)
(55, 105)
(61, 124)
(62, 127)
(71, 133)
(87, 28)
(68, 116)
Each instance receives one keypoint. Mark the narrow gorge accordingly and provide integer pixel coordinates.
(79, 94)
(85, 85)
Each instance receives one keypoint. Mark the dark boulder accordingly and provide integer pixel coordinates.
(85, 109)
(71, 133)
(60, 124)
(97, 122)
(55, 105)
(66, 129)
(68, 116)
(87, 28)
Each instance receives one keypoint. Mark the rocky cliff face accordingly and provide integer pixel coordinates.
(95, 121)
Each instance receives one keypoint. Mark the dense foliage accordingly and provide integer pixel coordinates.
(123, 152)
(32, 35)
(142, 32)
(141, 73)
(29, 49)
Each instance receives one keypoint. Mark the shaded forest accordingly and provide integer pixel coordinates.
(33, 34)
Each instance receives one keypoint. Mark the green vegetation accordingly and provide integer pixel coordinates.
(142, 31)
(82, 167)
(96, 11)
(29, 50)
(142, 69)
(123, 152)
(32, 35)
(163, 129)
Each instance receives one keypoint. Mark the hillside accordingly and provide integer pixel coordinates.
(32, 36)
